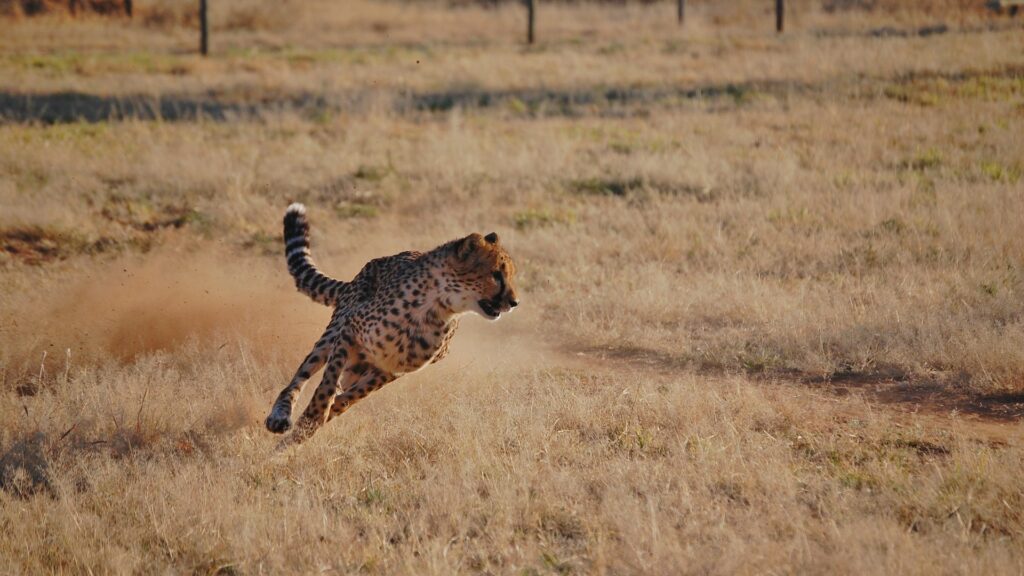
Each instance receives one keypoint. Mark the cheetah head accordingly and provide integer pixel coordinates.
(486, 276)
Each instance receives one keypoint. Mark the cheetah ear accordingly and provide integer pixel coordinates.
(492, 237)
(466, 246)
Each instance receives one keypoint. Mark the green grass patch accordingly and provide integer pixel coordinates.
(372, 496)
(758, 361)
(991, 87)
(927, 92)
(923, 161)
(60, 64)
(998, 172)
(611, 49)
(263, 243)
(372, 173)
(914, 94)
(606, 186)
(356, 210)
(539, 217)
(893, 226)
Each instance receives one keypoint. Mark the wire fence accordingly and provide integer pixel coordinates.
(126, 7)
(531, 20)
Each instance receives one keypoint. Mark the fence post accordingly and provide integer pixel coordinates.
(681, 10)
(530, 13)
(204, 35)
(780, 10)
(128, 8)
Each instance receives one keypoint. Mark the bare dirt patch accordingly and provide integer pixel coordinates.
(935, 395)
(995, 417)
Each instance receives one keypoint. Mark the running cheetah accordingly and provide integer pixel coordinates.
(396, 316)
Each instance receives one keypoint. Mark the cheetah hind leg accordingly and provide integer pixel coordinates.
(316, 413)
(280, 418)
(370, 378)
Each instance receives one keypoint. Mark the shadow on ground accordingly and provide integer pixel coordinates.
(885, 386)
(919, 32)
(612, 101)
(63, 107)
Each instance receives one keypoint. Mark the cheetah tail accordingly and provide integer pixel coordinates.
(308, 278)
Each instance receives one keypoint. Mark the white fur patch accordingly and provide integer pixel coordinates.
(295, 251)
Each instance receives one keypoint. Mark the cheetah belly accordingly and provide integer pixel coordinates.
(410, 349)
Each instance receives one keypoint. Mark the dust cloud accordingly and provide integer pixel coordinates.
(142, 304)
(159, 301)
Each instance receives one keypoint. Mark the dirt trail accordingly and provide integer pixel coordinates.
(994, 419)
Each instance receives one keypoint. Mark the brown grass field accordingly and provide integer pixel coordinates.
(772, 287)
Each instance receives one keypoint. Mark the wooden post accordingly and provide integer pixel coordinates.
(681, 11)
(204, 35)
(530, 12)
(128, 8)
(780, 10)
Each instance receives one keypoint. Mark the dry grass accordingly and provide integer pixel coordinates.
(704, 223)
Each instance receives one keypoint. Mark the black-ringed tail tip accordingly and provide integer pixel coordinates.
(396, 316)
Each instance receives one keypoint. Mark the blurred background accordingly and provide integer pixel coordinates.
(772, 316)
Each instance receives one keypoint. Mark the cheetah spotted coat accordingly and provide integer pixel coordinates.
(396, 316)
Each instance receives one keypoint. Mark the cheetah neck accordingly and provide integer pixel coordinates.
(442, 310)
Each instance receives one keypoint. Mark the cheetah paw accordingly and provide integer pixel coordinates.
(278, 423)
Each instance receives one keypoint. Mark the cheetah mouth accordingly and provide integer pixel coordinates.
(489, 309)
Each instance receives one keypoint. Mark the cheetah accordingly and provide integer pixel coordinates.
(396, 316)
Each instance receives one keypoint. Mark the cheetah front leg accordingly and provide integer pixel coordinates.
(280, 418)
(370, 378)
(315, 414)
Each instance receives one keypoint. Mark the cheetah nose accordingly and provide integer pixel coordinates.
(512, 303)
